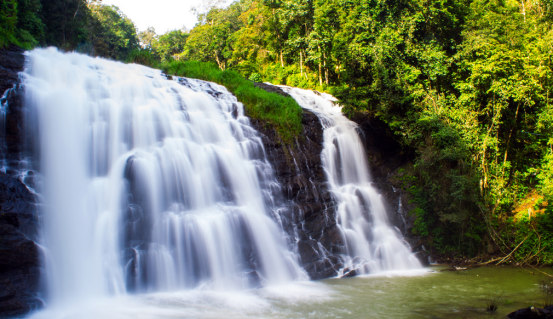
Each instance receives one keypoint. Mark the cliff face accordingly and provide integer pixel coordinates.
(12, 61)
(310, 212)
(19, 255)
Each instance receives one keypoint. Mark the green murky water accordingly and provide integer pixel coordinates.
(441, 294)
(435, 294)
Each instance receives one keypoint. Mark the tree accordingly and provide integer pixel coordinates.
(65, 22)
(211, 39)
(147, 37)
(8, 22)
(112, 34)
(20, 23)
(170, 44)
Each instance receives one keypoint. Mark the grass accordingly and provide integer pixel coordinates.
(280, 112)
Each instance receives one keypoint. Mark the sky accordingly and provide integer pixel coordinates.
(163, 15)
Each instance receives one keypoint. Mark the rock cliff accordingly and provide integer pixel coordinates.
(19, 255)
(310, 209)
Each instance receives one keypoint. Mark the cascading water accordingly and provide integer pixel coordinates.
(372, 245)
(149, 184)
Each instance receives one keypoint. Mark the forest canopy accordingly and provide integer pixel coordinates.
(85, 26)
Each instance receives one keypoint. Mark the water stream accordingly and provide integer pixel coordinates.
(372, 244)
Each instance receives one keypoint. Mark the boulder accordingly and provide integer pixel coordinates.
(532, 312)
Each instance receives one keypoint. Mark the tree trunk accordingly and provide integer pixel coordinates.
(320, 68)
(301, 62)
(220, 63)
(325, 68)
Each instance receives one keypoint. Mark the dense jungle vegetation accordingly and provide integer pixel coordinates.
(464, 85)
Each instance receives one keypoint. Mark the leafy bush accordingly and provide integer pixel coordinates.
(255, 77)
(144, 57)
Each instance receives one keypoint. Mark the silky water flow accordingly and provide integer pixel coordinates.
(372, 244)
(149, 184)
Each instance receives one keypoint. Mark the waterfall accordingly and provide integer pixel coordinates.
(148, 184)
(372, 244)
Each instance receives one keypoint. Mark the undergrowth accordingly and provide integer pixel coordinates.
(282, 113)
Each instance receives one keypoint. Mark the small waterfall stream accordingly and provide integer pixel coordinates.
(149, 184)
(372, 244)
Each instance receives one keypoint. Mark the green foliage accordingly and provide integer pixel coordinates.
(82, 25)
(211, 40)
(147, 37)
(20, 23)
(443, 189)
(29, 23)
(65, 22)
(143, 56)
(8, 21)
(289, 75)
(282, 113)
(112, 35)
(536, 238)
(255, 77)
(170, 44)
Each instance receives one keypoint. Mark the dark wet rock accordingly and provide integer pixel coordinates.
(19, 255)
(12, 62)
(350, 273)
(311, 211)
(532, 312)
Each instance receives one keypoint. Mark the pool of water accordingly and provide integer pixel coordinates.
(438, 294)
(432, 294)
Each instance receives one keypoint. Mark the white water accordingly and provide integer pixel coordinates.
(149, 185)
(373, 245)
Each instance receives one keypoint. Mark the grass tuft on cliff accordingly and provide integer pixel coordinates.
(282, 113)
